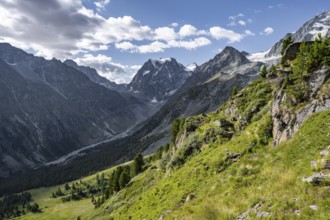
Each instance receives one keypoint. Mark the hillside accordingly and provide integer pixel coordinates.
(263, 154)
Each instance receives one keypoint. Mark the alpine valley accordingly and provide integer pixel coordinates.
(242, 136)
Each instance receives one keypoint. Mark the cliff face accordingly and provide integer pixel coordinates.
(286, 121)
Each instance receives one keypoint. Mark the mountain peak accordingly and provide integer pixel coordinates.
(161, 61)
(228, 58)
(158, 78)
(70, 62)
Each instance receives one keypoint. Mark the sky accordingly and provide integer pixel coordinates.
(117, 36)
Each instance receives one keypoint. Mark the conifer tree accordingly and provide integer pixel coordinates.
(136, 166)
(124, 179)
(263, 71)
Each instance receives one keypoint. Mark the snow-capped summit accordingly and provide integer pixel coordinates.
(158, 78)
(191, 67)
(160, 61)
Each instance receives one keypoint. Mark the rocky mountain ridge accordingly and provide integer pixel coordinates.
(156, 80)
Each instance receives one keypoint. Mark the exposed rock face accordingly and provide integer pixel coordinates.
(49, 109)
(292, 50)
(285, 122)
(307, 32)
(158, 79)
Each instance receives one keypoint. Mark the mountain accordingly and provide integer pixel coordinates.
(319, 24)
(49, 109)
(158, 79)
(92, 74)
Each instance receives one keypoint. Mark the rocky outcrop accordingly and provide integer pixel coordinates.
(286, 122)
(292, 50)
(322, 178)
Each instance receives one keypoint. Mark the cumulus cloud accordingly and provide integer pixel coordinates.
(157, 46)
(187, 30)
(222, 33)
(165, 33)
(50, 27)
(268, 31)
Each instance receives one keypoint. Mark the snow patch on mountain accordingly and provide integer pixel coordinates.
(154, 100)
(146, 72)
(320, 29)
(261, 57)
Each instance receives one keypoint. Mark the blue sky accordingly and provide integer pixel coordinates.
(118, 36)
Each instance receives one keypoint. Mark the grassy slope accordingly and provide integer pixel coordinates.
(271, 176)
(268, 175)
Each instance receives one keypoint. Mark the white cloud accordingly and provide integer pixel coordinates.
(190, 44)
(237, 19)
(157, 46)
(242, 23)
(154, 47)
(187, 30)
(249, 33)
(101, 4)
(222, 33)
(174, 24)
(165, 33)
(125, 45)
(268, 31)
